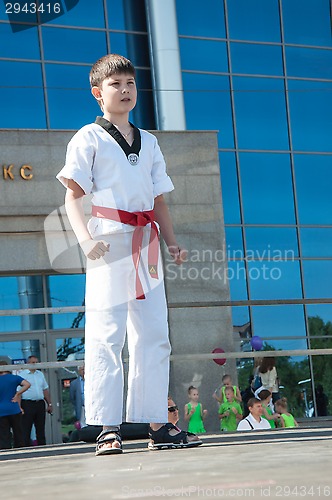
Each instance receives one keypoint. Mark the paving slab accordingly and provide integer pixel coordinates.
(290, 463)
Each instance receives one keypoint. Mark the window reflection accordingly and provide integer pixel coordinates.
(71, 100)
(203, 55)
(316, 242)
(70, 348)
(65, 291)
(279, 321)
(73, 45)
(9, 300)
(309, 63)
(241, 329)
(260, 113)
(126, 15)
(251, 59)
(310, 105)
(77, 77)
(307, 22)
(197, 20)
(80, 15)
(21, 292)
(143, 113)
(237, 280)
(135, 47)
(286, 345)
(255, 20)
(274, 280)
(317, 278)
(203, 93)
(320, 329)
(234, 243)
(73, 93)
(229, 185)
(267, 188)
(115, 13)
(270, 243)
(18, 351)
(21, 44)
(324, 314)
(240, 315)
(28, 92)
(313, 191)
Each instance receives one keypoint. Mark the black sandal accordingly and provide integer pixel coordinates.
(163, 440)
(108, 437)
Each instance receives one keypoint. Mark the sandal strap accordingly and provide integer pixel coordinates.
(162, 435)
(108, 437)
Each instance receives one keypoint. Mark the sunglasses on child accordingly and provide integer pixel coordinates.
(172, 408)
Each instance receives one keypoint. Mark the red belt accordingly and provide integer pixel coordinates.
(140, 220)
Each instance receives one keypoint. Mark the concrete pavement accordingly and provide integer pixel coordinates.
(291, 463)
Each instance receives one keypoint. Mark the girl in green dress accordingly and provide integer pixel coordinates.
(265, 396)
(194, 413)
(286, 418)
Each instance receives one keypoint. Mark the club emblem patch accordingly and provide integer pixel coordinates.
(133, 159)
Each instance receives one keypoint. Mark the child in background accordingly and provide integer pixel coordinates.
(265, 396)
(286, 418)
(219, 393)
(230, 413)
(194, 413)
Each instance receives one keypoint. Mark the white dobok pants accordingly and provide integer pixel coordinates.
(112, 310)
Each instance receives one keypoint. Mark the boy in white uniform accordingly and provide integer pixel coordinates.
(124, 169)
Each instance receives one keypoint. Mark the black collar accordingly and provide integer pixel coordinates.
(118, 137)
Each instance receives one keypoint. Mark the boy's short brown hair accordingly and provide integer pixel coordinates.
(253, 401)
(229, 388)
(109, 65)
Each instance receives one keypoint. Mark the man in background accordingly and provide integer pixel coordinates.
(76, 393)
(35, 403)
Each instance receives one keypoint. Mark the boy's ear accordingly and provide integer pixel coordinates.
(95, 91)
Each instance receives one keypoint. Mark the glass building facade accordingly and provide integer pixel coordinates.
(260, 73)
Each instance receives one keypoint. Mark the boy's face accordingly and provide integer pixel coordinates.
(227, 381)
(229, 395)
(117, 94)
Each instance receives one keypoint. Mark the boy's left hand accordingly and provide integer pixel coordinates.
(179, 254)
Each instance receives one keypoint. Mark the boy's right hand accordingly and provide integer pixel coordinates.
(95, 249)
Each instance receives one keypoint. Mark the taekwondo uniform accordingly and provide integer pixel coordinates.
(124, 289)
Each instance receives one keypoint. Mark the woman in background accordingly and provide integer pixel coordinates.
(269, 377)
